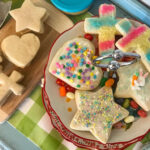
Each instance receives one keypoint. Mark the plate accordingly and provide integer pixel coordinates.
(57, 107)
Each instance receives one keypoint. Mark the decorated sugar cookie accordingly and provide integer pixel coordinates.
(20, 51)
(137, 39)
(9, 85)
(104, 26)
(29, 16)
(97, 112)
(134, 82)
(72, 64)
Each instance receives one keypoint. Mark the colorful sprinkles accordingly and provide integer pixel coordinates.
(77, 56)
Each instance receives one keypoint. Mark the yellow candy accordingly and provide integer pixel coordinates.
(94, 57)
(78, 73)
(87, 82)
(71, 80)
(62, 75)
(91, 74)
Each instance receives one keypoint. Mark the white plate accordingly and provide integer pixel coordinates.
(58, 104)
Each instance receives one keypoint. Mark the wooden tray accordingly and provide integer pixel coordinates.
(56, 23)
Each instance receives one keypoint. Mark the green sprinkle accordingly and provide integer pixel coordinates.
(68, 77)
(93, 68)
(76, 52)
(80, 70)
(79, 77)
(76, 46)
(103, 80)
(78, 86)
(60, 57)
(137, 74)
(87, 65)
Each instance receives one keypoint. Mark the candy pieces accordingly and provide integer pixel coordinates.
(142, 113)
(134, 105)
(137, 39)
(88, 36)
(104, 26)
(70, 95)
(72, 64)
(9, 85)
(129, 119)
(97, 112)
(62, 91)
(29, 16)
(109, 82)
(125, 88)
(21, 50)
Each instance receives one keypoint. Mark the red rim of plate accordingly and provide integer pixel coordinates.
(66, 133)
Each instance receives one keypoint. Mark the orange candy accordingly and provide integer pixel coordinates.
(133, 79)
(62, 91)
(69, 109)
(109, 82)
(73, 56)
(73, 69)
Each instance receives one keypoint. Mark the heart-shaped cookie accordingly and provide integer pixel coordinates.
(20, 51)
(72, 64)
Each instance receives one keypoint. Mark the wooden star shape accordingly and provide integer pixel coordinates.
(29, 16)
(97, 112)
(134, 82)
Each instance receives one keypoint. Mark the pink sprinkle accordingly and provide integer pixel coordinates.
(61, 66)
(58, 65)
(67, 49)
(75, 65)
(89, 62)
(79, 49)
(54, 71)
(106, 45)
(132, 35)
(69, 68)
(105, 9)
(72, 61)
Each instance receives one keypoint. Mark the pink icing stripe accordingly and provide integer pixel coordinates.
(106, 45)
(132, 35)
(105, 9)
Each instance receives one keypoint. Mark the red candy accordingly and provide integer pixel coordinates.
(67, 87)
(88, 36)
(60, 82)
(134, 105)
(142, 113)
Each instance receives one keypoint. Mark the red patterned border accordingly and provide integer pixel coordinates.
(75, 139)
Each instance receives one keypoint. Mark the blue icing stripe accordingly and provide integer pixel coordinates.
(125, 26)
(100, 22)
(148, 55)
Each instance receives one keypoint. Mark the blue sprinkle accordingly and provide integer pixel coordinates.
(81, 51)
(148, 56)
(70, 45)
(67, 64)
(81, 64)
(71, 65)
(84, 48)
(70, 51)
(58, 72)
(74, 76)
(82, 59)
(94, 76)
(63, 56)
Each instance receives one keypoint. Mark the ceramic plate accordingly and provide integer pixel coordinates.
(58, 108)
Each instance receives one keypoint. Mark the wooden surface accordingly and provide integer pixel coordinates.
(33, 72)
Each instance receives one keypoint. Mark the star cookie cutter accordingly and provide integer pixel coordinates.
(114, 64)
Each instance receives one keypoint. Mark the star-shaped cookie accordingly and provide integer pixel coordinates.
(29, 16)
(97, 112)
(134, 82)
